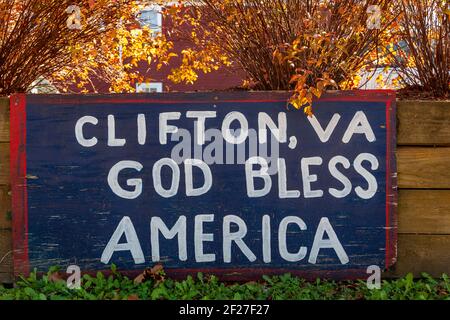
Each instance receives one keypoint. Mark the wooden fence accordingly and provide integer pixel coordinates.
(423, 158)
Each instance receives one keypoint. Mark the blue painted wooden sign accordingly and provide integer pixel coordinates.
(238, 184)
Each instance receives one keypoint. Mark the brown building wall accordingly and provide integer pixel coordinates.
(222, 79)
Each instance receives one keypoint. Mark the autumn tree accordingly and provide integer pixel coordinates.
(306, 46)
(421, 50)
(72, 41)
(302, 45)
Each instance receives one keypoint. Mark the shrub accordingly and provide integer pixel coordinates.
(282, 45)
(208, 287)
(422, 52)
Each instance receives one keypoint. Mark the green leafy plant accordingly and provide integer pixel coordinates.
(115, 286)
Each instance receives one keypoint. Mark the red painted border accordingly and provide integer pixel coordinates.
(18, 172)
(19, 184)
(388, 168)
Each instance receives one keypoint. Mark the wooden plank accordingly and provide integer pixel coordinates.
(6, 262)
(6, 257)
(424, 211)
(419, 122)
(423, 122)
(423, 168)
(4, 119)
(4, 164)
(422, 253)
(5, 207)
(416, 254)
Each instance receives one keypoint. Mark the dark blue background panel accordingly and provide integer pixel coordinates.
(328, 210)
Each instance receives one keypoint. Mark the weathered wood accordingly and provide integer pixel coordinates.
(423, 122)
(419, 122)
(416, 254)
(5, 208)
(422, 253)
(6, 264)
(423, 168)
(424, 211)
(4, 119)
(424, 215)
(4, 164)
(64, 184)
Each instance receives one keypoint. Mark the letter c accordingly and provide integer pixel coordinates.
(79, 131)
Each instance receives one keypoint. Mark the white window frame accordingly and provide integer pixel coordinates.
(156, 8)
(149, 87)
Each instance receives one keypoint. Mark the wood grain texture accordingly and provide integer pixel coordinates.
(423, 122)
(64, 183)
(6, 270)
(5, 207)
(419, 122)
(424, 215)
(422, 253)
(4, 119)
(4, 164)
(424, 211)
(423, 168)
